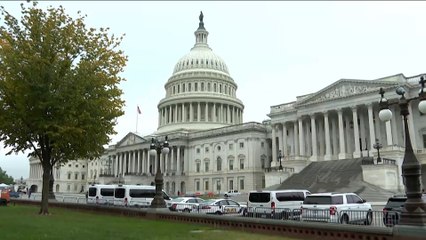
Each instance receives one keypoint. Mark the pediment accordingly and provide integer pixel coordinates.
(130, 139)
(346, 88)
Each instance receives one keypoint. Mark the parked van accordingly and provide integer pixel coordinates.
(136, 195)
(101, 194)
(281, 204)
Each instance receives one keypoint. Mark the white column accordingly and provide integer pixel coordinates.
(176, 113)
(327, 155)
(214, 112)
(183, 113)
(371, 126)
(296, 139)
(191, 112)
(170, 114)
(178, 161)
(228, 113)
(207, 112)
(222, 119)
(233, 115)
(143, 162)
(117, 160)
(342, 153)
(301, 138)
(133, 162)
(172, 159)
(284, 146)
(314, 139)
(357, 152)
(280, 139)
(274, 146)
(198, 111)
(159, 117)
(389, 133)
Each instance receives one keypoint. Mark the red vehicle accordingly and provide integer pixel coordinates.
(5, 197)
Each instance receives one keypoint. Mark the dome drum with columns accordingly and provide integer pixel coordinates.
(200, 94)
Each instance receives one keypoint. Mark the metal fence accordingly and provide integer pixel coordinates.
(357, 217)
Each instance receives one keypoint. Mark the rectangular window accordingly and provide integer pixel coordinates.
(206, 149)
(206, 185)
(76, 176)
(241, 163)
(198, 150)
(219, 165)
(198, 167)
(241, 184)
(241, 145)
(231, 184)
(68, 188)
(262, 144)
(69, 175)
(196, 86)
(82, 176)
(197, 185)
(231, 146)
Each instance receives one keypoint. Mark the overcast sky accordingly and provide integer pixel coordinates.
(274, 51)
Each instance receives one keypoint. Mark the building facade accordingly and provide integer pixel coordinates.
(213, 150)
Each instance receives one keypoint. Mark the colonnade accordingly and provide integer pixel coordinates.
(200, 112)
(336, 134)
(139, 162)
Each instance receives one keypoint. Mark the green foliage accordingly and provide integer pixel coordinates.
(66, 224)
(59, 95)
(4, 178)
(59, 80)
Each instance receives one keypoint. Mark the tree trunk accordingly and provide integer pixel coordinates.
(51, 181)
(44, 210)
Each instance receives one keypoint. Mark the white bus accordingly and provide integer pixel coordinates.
(136, 195)
(101, 194)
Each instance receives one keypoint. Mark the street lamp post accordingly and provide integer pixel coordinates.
(156, 149)
(414, 210)
(280, 156)
(378, 146)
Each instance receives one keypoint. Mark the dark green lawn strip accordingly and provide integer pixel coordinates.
(23, 222)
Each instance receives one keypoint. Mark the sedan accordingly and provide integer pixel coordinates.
(222, 206)
(184, 204)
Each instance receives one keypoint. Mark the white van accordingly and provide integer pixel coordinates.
(101, 194)
(136, 195)
(281, 204)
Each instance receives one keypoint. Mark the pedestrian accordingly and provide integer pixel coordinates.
(178, 193)
(29, 193)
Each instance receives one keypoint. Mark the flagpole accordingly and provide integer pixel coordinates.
(137, 116)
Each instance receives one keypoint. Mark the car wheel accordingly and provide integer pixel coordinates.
(186, 210)
(218, 213)
(344, 219)
(369, 218)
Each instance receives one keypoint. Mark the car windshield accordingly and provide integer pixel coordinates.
(178, 200)
(323, 200)
(395, 202)
(209, 201)
(259, 197)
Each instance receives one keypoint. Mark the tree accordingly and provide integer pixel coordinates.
(4, 178)
(59, 94)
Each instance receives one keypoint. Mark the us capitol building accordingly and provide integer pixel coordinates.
(213, 150)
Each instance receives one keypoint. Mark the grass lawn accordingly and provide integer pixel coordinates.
(23, 222)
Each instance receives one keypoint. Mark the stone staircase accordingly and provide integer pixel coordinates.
(336, 176)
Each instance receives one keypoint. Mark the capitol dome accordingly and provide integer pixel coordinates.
(200, 94)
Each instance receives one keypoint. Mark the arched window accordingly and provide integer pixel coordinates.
(219, 164)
